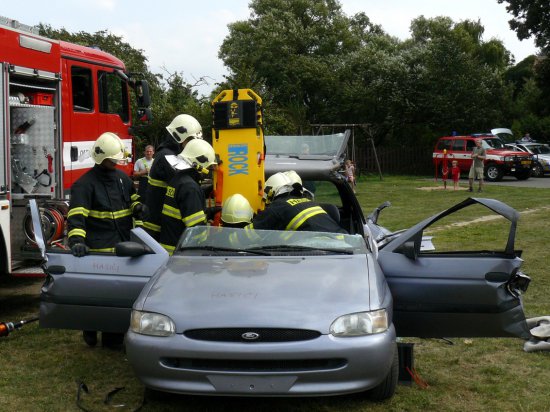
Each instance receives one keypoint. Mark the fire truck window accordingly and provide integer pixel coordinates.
(458, 145)
(81, 80)
(113, 95)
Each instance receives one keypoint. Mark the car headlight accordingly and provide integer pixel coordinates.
(153, 324)
(359, 324)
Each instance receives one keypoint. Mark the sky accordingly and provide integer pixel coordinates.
(184, 36)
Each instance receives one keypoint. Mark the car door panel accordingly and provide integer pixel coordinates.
(455, 294)
(93, 292)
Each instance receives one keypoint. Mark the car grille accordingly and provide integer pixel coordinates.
(263, 335)
(239, 365)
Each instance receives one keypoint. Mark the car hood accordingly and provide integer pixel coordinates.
(285, 292)
(506, 152)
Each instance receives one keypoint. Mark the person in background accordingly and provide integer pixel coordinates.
(455, 174)
(103, 205)
(350, 174)
(184, 203)
(182, 129)
(527, 138)
(476, 169)
(142, 168)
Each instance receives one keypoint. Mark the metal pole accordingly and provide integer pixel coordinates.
(376, 158)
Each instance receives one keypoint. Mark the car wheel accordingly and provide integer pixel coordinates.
(493, 173)
(386, 389)
(90, 337)
(538, 171)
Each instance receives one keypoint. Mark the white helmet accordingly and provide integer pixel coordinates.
(199, 154)
(296, 179)
(276, 185)
(109, 146)
(236, 209)
(184, 127)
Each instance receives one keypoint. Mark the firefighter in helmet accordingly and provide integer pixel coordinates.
(184, 203)
(182, 129)
(103, 206)
(236, 211)
(103, 201)
(289, 209)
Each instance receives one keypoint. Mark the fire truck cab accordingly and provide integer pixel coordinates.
(56, 98)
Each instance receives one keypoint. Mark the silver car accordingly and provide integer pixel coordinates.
(269, 313)
(541, 165)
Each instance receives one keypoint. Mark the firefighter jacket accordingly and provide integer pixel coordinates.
(184, 206)
(102, 203)
(295, 213)
(159, 176)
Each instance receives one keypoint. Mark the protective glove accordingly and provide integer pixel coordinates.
(141, 211)
(79, 249)
(211, 212)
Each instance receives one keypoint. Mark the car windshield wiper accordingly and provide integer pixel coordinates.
(252, 251)
(297, 248)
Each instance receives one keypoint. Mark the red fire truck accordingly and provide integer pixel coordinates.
(56, 98)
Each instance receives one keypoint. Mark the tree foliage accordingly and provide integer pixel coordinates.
(322, 66)
(531, 19)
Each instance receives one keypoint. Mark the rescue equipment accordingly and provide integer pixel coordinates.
(238, 140)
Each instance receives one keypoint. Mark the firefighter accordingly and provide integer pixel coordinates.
(184, 203)
(103, 205)
(289, 209)
(236, 211)
(182, 129)
(103, 201)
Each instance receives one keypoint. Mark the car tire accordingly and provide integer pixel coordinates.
(386, 389)
(112, 340)
(538, 171)
(493, 173)
(90, 337)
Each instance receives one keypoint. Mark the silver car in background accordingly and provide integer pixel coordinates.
(541, 165)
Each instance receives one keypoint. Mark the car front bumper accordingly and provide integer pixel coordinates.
(323, 366)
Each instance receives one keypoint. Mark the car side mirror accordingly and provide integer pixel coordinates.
(409, 249)
(132, 249)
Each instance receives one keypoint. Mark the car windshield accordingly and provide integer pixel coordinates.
(303, 146)
(231, 241)
(493, 143)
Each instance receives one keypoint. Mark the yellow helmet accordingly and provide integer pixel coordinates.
(236, 209)
(276, 185)
(199, 154)
(109, 146)
(184, 127)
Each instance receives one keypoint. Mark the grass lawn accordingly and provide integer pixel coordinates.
(41, 368)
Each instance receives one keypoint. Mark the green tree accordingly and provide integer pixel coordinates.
(296, 48)
(531, 19)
